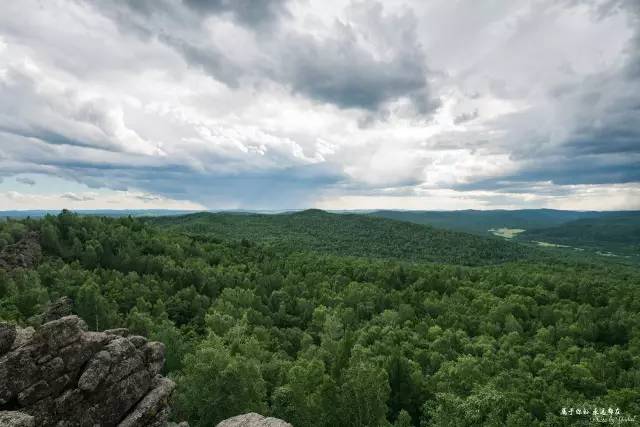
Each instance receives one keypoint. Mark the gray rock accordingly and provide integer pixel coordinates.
(23, 336)
(96, 371)
(7, 336)
(63, 375)
(121, 332)
(154, 356)
(149, 411)
(33, 393)
(57, 309)
(61, 332)
(16, 419)
(18, 371)
(138, 340)
(253, 420)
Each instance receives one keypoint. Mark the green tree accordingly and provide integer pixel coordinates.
(215, 384)
(94, 308)
(363, 396)
(308, 397)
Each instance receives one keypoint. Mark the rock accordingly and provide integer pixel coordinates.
(154, 356)
(138, 340)
(55, 310)
(24, 254)
(96, 371)
(16, 419)
(63, 375)
(59, 308)
(33, 393)
(61, 332)
(149, 409)
(23, 336)
(121, 332)
(253, 420)
(7, 336)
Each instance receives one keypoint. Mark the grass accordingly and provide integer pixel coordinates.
(507, 233)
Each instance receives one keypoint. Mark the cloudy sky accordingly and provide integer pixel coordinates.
(258, 104)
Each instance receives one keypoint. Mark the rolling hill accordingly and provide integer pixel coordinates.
(478, 221)
(352, 235)
(611, 234)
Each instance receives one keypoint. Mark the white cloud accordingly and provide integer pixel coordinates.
(13, 200)
(448, 104)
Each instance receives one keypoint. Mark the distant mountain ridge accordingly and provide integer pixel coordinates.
(605, 233)
(351, 235)
(38, 213)
(481, 221)
(616, 233)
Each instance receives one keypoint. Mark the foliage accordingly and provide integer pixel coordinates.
(480, 222)
(619, 234)
(328, 340)
(351, 235)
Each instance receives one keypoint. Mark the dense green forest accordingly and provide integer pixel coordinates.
(609, 233)
(351, 235)
(480, 222)
(319, 338)
(619, 234)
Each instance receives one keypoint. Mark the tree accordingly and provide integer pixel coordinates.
(308, 397)
(27, 294)
(94, 308)
(363, 396)
(403, 420)
(216, 385)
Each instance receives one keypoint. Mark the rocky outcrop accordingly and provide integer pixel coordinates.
(16, 419)
(24, 254)
(253, 420)
(60, 374)
(54, 310)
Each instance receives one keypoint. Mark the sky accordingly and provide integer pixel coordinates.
(291, 104)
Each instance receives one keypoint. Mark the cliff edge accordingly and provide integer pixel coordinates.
(60, 374)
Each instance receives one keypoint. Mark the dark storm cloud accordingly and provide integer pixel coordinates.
(208, 58)
(338, 69)
(25, 180)
(253, 13)
(619, 169)
(590, 135)
(231, 103)
(341, 72)
(135, 14)
(293, 187)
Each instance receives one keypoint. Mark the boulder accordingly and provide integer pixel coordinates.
(7, 337)
(60, 374)
(57, 309)
(16, 419)
(253, 420)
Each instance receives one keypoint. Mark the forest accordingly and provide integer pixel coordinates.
(618, 234)
(350, 235)
(342, 321)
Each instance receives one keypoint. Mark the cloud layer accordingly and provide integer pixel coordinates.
(284, 104)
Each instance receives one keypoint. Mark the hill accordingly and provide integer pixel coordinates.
(619, 235)
(477, 221)
(321, 340)
(351, 235)
(39, 213)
